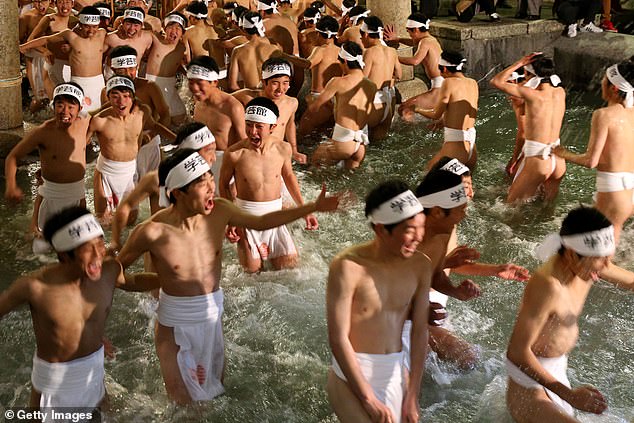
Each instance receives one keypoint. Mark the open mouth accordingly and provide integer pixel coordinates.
(209, 204)
(65, 119)
(93, 270)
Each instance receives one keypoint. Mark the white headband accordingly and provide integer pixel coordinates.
(104, 12)
(119, 82)
(529, 68)
(136, 15)
(343, 54)
(402, 207)
(411, 24)
(364, 28)
(199, 139)
(345, 10)
(185, 172)
(174, 18)
(456, 167)
(87, 19)
(68, 89)
(356, 18)
(446, 199)
(459, 66)
(197, 15)
(314, 19)
(535, 81)
(599, 243)
(201, 72)
(75, 233)
(263, 6)
(277, 69)
(258, 24)
(123, 62)
(615, 77)
(515, 76)
(260, 114)
(327, 33)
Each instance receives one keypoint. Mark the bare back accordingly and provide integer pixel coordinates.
(282, 30)
(545, 108)
(433, 51)
(381, 63)
(354, 101)
(249, 58)
(617, 122)
(462, 102)
(327, 67)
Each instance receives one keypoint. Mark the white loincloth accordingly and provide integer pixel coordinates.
(170, 93)
(384, 373)
(117, 179)
(197, 324)
(556, 366)
(38, 66)
(615, 181)
(92, 86)
(538, 149)
(148, 158)
(437, 82)
(56, 196)
(270, 243)
(341, 134)
(59, 71)
(215, 169)
(461, 135)
(76, 383)
(385, 96)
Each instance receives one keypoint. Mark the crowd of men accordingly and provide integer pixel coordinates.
(231, 168)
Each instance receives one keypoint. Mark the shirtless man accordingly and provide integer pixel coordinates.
(611, 147)
(123, 63)
(49, 25)
(276, 79)
(87, 46)
(165, 60)
(353, 32)
(221, 112)
(427, 53)
(517, 77)
(199, 32)
(61, 142)
(354, 94)
(457, 104)
(69, 302)
(195, 136)
(367, 381)
(546, 329)
(130, 33)
(35, 61)
(261, 163)
(150, 23)
(247, 59)
(324, 65)
(308, 37)
(119, 129)
(545, 105)
(185, 243)
(105, 15)
(381, 67)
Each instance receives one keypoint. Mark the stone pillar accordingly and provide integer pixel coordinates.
(395, 12)
(10, 76)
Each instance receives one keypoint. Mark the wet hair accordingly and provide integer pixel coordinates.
(349, 3)
(138, 9)
(206, 62)
(443, 161)
(275, 61)
(186, 130)
(69, 97)
(230, 5)
(355, 50)
(435, 181)
(124, 50)
(264, 102)
(626, 69)
(318, 5)
(580, 220)
(90, 10)
(196, 7)
(356, 11)
(251, 17)
(373, 23)
(170, 163)
(452, 57)
(327, 23)
(419, 17)
(311, 12)
(382, 193)
(269, 3)
(239, 11)
(61, 219)
(543, 66)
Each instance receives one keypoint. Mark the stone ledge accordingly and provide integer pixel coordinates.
(450, 30)
(409, 89)
(544, 25)
(499, 30)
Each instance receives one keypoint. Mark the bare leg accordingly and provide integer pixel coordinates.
(551, 186)
(343, 401)
(533, 406)
(249, 264)
(101, 203)
(528, 181)
(166, 350)
(450, 347)
(285, 262)
(617, 207)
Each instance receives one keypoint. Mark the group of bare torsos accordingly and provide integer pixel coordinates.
(120, 135)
